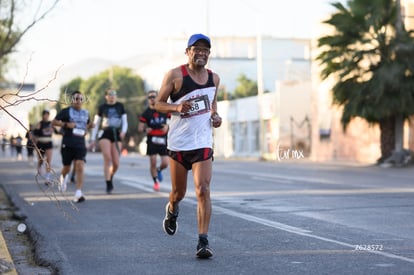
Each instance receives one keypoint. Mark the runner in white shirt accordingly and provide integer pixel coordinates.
(189, 93)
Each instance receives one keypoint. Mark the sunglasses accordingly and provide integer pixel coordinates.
(78, 98)
(112, 93)
(151, 97)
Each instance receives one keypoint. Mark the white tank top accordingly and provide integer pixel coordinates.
(192, 130)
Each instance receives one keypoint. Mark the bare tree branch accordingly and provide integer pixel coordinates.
(12, 99)
(7, 48)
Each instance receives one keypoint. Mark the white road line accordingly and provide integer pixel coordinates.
(261, 221)
(304, 232)
(142, 184)
(278, 177)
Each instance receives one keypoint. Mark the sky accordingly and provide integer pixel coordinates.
(117, 29)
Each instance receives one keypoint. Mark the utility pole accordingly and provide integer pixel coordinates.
(259, 62)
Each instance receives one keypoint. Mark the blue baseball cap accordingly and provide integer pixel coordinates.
(198, 36)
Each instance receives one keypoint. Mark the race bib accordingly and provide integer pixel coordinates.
(100, 133)
(159, 140)
(78, 132)
(200, 105)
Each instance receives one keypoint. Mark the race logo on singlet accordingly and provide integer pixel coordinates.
(47, 131)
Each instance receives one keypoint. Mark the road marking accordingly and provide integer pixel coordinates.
(272, 180)
(390, 190)
(304, 232)
(142, 184)
(262, 221)
(279, 177)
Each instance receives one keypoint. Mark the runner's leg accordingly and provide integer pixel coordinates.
(105, 146)
(202, 176)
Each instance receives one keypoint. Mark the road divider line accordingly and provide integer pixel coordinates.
(305, 233)
(141, 183)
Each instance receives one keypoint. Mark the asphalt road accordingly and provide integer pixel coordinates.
(288, 217)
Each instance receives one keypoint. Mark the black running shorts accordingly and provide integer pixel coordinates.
(72, 153)
(188, 158)
(111, 134)
(153, 149)
(43, 146)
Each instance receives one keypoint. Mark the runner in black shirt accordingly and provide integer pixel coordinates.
(43, 135)
(75, 123)
(112, 120)
(155, 125)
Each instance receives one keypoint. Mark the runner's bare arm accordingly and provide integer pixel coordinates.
(171, 83)
(215, 118)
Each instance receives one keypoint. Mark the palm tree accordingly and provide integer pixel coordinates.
(373, 65)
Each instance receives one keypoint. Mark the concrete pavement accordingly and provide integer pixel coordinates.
(16, 248)
(121, 233)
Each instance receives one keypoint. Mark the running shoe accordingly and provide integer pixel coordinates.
(156, 186)
(109, 187)
(203, 250)
(159, 175)
(48, 179)
(169, 223)
(79, 199)
(78, 196)
(63, 183)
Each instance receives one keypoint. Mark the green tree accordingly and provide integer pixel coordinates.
(11, 32)
(222, 94)
(245, 88)
(130, 88)
(35, 114)
(372, 66)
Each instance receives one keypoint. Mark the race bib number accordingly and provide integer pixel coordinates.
(78, 132)
(200, 105)
(159, 140)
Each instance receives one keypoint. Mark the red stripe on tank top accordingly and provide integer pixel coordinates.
(184, 70)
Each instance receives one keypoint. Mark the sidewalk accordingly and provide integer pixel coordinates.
(16, 249)
(6, 262)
